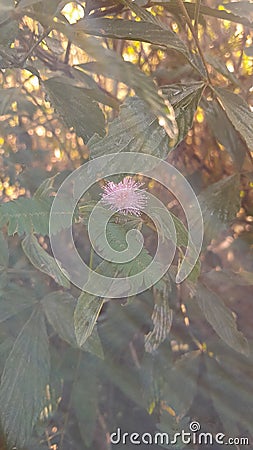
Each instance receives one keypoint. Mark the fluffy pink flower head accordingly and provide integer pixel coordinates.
(125, 197)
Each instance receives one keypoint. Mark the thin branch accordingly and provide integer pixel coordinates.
(189, 23)
(35, 45)
(196, 15)
(104, 427)
(67, 54)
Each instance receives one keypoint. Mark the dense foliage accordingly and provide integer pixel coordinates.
(80, 80)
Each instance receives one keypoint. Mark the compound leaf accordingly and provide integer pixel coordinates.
(24, 380)
(26, 215)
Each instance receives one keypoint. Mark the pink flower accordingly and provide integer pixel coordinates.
(125, 197)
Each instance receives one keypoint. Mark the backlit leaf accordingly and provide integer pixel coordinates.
(225, 133)
(241, 9)
(184, 99)
(109, 64)
(135, 130)
(76, 107)
(133, 30)
(172, 5)
(238, 113)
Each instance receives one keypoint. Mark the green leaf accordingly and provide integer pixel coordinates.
(116, 237)
(219, 204)
(43, 261)
(26, 215)
(182, 238)
(228, 278)
(149, 29)
(135, 130)
(122, 324)
(4, 252)
(241, 9)
(25, 3)
(46, 6)
(63, 211)
(94, 91)
(133, 30)
(24, 381)
(238, 113)
(85, 400)
(45, 188)
(126, 378)
(59, 309)
(221, 67)
(35, 442)
(221, 319)
(85, 316)
(181, 383)
(77, 109)
(6, 6)
(93, 344)
(162, 319)
(7, 97)
(151, 379)
(185, 99)
(231, 392)
(8, 32)
(13, 300)
(181, 231)
(136, 121)
(10, 95)
(244, 278)
(142, 13)
(8, 26)
(248, 51)
(109, 64)
(225, 133)
(172, 6)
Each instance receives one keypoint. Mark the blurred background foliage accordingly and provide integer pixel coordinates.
(66, 69)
